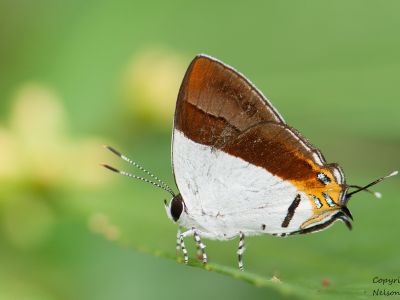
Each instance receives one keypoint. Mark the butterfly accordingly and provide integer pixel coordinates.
(240, 169)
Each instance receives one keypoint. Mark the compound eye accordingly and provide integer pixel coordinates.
(176, 207)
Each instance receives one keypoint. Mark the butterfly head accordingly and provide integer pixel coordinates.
(175, 208)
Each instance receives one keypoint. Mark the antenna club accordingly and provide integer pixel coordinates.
(110, 168)
(378, 195)
(112, 150)
(394, 173)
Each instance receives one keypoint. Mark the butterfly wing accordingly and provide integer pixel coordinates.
(234, 156)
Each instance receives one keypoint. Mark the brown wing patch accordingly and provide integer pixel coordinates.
(204, 128)
(216, 99)
(272, 147)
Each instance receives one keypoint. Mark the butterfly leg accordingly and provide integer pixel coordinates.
(189, 232)
(201, 245)
(178, 241)
(199, 254)
(241, 249)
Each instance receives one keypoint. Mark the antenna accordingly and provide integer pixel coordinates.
(165, 187)
(365, 188)
(377, 195)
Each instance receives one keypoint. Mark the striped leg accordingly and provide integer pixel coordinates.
(189, 232)
(184, 250)
(201, 245)
(199, 254)
(240, 251)
(178, 241)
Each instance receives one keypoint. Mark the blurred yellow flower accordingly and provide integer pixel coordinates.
(151, 84)
(37, 156)
(36, 123)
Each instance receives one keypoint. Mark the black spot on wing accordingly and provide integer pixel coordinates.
(291, 211)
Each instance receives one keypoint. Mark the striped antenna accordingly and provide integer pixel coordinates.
(365, 188)
(165, 187)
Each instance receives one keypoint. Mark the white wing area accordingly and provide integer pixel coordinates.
(224, 194)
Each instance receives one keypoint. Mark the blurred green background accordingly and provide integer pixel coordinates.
(78, 74)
